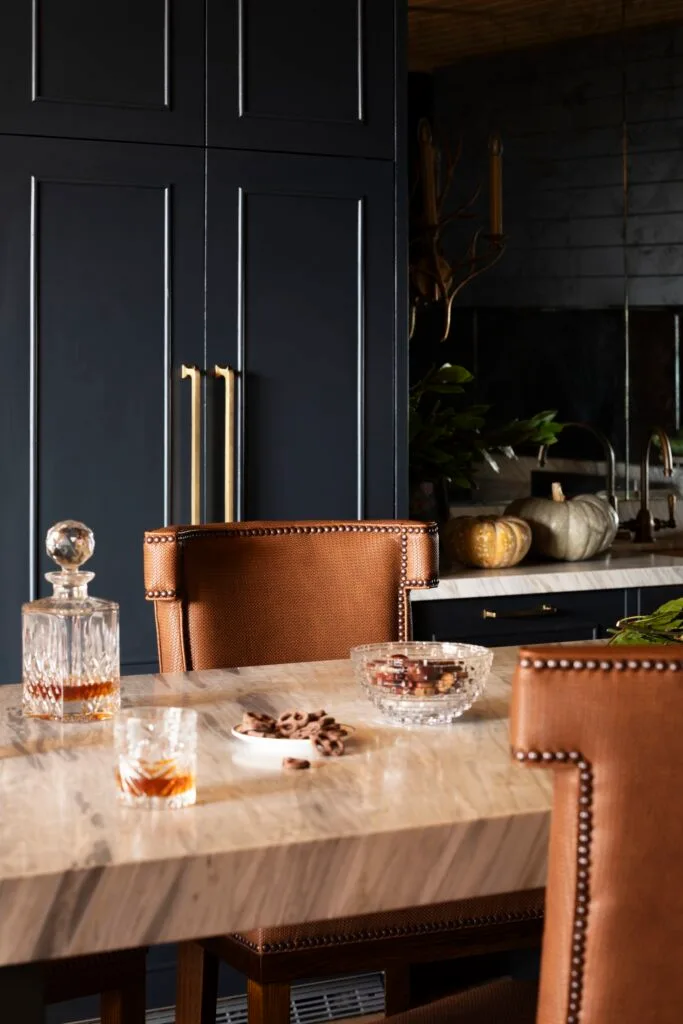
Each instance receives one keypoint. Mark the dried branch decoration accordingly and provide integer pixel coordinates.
(433, 279)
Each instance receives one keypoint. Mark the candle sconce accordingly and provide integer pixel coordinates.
(434, 279)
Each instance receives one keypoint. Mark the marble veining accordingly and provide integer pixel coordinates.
(609, 572)
(408, 816)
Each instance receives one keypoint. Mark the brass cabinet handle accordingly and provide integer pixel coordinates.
(228, 374)
(195, 376)
(522, 613)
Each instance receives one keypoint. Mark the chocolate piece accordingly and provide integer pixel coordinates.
(309, 731)
(417, 672)
(299, 718)
(254, 720)
(446, 682)
(389, 677)
(295, 764)
(425, 690)
(328, 745)
(397, 660)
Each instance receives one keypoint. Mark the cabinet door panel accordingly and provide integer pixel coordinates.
(650, 598)
(101, 299)
(526, 619)
(301, 302)
(125, 70)
(302, 78)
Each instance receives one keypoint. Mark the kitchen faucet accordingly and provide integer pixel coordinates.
(610, 470)
(644, 525)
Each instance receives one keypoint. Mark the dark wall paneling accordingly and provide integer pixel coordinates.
(264, 57)
(92, 341)
(571, 360)
(127, 70)
(297, 261)
(653, 380)
(560, 113)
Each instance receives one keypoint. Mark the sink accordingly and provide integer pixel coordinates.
(670, 546)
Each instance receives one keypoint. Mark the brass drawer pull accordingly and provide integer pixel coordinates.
(195, 377)
(525, 613)
(228, 375)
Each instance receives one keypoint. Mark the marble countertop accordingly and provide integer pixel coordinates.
(609, 572)
(408, 816)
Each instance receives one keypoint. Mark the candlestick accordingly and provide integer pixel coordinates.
(496, 185)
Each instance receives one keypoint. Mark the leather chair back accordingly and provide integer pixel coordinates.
(266, 593)
(608, 721)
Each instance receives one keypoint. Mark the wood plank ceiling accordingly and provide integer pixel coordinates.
(442, 32)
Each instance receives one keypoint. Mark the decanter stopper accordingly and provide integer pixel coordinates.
(70, 544)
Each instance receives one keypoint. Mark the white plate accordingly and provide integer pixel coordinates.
(266, 746)
(269, 747)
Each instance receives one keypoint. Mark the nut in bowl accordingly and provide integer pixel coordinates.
(422, 683)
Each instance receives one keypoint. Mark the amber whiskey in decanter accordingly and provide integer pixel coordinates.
(71, 665)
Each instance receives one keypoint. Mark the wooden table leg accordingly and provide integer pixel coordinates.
(268, 1003)
(21, 995)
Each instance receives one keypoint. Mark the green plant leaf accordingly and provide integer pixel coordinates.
(444, 389)
(450, 438)
(663, 626)
(452, 374)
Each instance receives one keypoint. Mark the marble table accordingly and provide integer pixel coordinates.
(409, 816)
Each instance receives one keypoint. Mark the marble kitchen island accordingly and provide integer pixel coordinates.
(408, 816)
(548, 602)
(620, 568)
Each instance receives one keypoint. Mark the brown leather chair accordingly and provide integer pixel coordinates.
(607, 721)
(268, 593)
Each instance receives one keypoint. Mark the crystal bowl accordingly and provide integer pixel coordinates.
(422, 683)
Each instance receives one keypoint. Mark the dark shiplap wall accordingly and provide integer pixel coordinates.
(560, 111)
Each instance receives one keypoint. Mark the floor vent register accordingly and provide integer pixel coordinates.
(312, 1003)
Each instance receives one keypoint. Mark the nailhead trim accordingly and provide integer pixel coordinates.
(402, 625)
(164, 538)
(583, 864)
(579, 665)
(160, 593)
(431, 529)
(427, 927)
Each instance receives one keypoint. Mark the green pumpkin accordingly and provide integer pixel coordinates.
(567, 530)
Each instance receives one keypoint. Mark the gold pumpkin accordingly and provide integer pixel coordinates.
(487, 542)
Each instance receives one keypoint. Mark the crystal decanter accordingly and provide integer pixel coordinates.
(71, 640)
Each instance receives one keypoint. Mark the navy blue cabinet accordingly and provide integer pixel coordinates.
(101, 264)
(301, 302)
(122, 258)
(103, 300)
(526, 619)
(302, 77)
(651, 598)
(126, 70)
